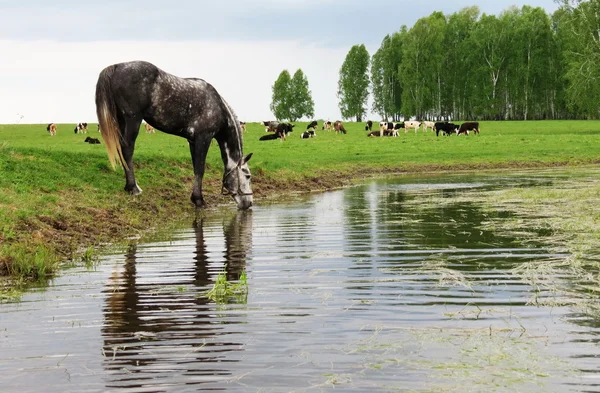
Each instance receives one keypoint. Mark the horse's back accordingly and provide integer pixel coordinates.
(169, 103)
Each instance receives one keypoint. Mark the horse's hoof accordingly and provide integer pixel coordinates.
(197, 202)
(136, 190)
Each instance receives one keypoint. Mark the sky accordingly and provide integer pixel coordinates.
(53, 51)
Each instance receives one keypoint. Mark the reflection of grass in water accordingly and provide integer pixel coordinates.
(224, 291)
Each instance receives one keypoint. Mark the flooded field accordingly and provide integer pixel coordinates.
(398, 285)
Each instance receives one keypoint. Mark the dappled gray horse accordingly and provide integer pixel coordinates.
(127, 93)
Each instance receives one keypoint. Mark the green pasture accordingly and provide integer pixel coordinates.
(59, 194)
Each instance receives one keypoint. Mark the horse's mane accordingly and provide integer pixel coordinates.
(236, 123)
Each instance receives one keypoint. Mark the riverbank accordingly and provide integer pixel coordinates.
(59, 199)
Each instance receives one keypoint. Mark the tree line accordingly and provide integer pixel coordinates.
(522, 64)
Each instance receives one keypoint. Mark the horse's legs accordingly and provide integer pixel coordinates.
(198, 149)
(130, 128)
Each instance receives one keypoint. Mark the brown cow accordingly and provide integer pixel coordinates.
(468, 126)
(149, 128)
(51, 128)
(339, 127)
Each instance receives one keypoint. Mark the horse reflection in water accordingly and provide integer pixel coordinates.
(159, 328)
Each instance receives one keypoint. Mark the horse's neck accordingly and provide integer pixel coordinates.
(231, 150)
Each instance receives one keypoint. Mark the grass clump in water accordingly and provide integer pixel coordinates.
(224, 291)
(38, 262)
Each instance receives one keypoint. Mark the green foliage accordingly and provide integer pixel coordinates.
(281, 103)
(34, 261)
(580, 24)
(292, 98)
(521, 64)
(353, 85)
(224, 291)
(302, 102)
(421, 66)
(385, 81)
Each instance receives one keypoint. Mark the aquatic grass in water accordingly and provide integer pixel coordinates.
(224, 291)
(564, 215)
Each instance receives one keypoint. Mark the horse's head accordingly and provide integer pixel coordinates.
(236, 182)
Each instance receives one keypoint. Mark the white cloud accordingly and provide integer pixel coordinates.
(55, 81)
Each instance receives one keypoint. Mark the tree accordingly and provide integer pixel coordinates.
(385, 84)
(281, 104)
(421, 67)
(456, 64)
(301, 97)
(582, 24)
(353, 85)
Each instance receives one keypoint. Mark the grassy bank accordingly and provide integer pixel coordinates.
(59, 197)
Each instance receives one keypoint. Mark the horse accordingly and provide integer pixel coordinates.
(127, 93)
(51, 128)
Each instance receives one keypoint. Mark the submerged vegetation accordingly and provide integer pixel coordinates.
(224, 291)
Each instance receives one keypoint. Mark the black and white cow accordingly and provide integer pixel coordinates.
(308, 134)
(271, 126)
(445, 128)
(369, 126)
(81, 128)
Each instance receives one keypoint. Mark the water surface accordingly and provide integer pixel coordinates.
(367, 289)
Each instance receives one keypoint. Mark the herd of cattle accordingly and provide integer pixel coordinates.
(281, 130)
(443, 127)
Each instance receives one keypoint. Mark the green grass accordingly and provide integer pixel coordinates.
(223, 291)
(58, 195)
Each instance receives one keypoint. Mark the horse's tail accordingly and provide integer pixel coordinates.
(106, 109)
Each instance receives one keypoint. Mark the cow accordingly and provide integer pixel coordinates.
(310, 133)
(92, 141)
(149, 129)
(389, 128)
(369, 126)
(313, 124)
(243, 125)
(83, 127)
(411, 124)
(51, 128)
(280, 132)
(327, 125)
(339, 127)
(445, 127)
(271, 126)
(468, 126)
(428, 124)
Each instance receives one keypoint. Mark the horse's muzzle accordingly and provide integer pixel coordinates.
(244, 202)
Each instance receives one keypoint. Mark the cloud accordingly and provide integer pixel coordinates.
(50, 81)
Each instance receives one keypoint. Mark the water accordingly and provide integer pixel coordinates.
(368, 289)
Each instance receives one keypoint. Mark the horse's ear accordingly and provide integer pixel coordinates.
(245, 159)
